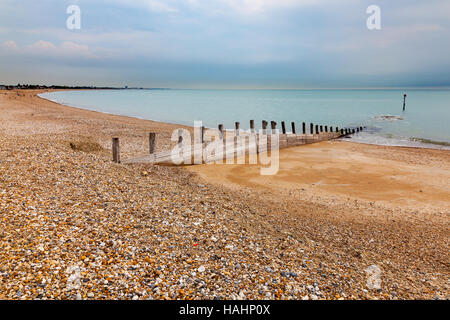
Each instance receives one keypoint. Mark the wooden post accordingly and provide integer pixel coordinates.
(264, 126)
(180, 137)
(337, 129)
(116, 150)
(202, 134)
(252, 126)
(326, 128)
(283, 127)
(311, 128)
(321, 128)
(404, 102)
(342, 131)
(293, 128)
(317, 129)
(237, 125)
(331, 129)
(360, 128)
(304, 128)
(273, 126)
(353, 131)
(346, 131)
(221, 130)
(152, 142)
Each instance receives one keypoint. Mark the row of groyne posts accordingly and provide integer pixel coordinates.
(239, 141)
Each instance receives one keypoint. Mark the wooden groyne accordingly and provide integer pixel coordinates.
(237, 142)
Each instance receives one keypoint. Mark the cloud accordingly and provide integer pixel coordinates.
(159, 6)
(10, 45)
(241, 7)
(151, 5)
(65, 49)
(41, 48)
(227, 40)
(261, 6)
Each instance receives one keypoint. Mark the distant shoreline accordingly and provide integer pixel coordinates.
(58, 87)
(413, 142)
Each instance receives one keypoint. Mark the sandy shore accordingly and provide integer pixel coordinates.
(74, 225)
(407, 178)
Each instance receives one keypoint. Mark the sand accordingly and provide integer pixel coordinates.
(409, 178)
(74, 225)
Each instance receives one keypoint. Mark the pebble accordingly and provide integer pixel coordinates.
(112, 231)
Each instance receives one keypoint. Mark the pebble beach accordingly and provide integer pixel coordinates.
(75, 225)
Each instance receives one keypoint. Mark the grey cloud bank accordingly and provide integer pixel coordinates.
(226, 43)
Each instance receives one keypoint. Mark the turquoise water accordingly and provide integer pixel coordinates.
(426, 119)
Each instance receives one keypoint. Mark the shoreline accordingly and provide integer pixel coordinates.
(74, 225)
(217, 176)
(423, 143)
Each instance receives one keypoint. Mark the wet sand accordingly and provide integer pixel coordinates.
(408, 178)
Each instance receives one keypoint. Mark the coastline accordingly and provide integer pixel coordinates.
(373, 139)
(137, 224)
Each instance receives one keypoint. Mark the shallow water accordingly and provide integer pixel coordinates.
(425, 123)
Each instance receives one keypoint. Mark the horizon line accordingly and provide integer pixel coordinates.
(234, 88)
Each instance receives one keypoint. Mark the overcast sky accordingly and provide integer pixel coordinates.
(226, 43)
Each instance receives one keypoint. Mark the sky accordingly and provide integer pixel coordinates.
(280, 44)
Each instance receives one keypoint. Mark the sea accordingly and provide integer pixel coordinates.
(425, 122)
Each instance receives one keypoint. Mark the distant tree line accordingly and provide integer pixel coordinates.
(43, 87)
(37, 86)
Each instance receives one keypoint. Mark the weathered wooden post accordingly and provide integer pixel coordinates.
(337, 129)
(221, 130)
(326, 128)
(252, 126)
(237, 126)
(202, 134)
(264, 126)
(311, 128)
(116, 150)
(304, 128)
(317, 129)
(152, 142)
(321, 128)
(180, 137)
(342, 132)
(283, 127)
(293, 128)
(404, 102)
(273, 126)
(346, 131)
(353, 131)
(331, 129)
